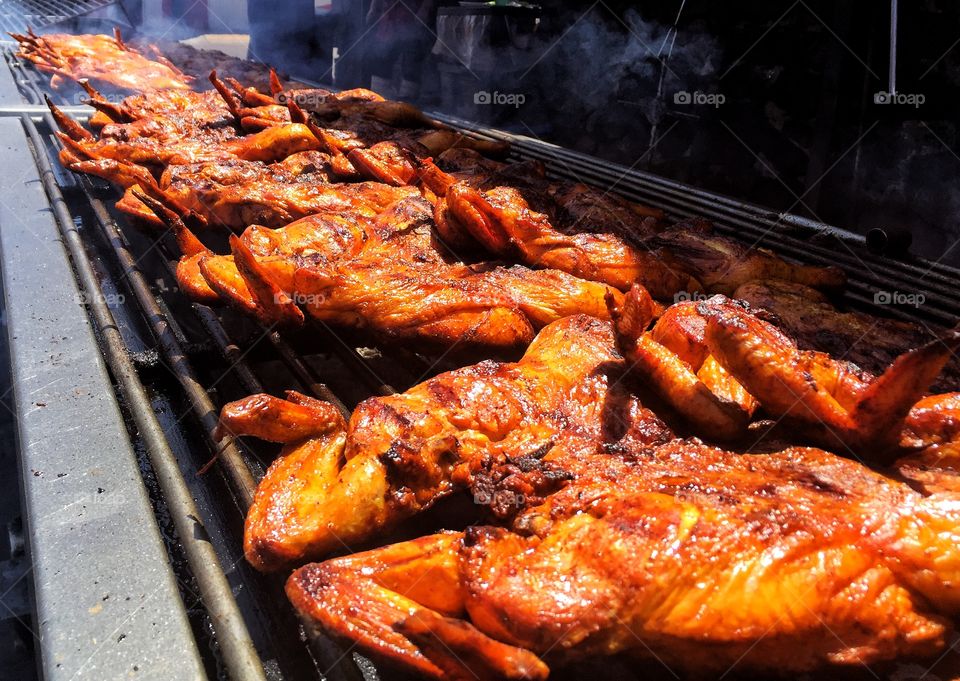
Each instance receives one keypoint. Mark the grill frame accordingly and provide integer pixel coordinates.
(238, 462)
(18, 15)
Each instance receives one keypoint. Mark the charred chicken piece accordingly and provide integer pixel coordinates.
(722, 264)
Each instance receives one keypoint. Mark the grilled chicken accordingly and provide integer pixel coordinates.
(815, 323)
(502, 219)
(675, 358)
(598, 236)
(199, 62)
(103, 60)
(272, 144)
(387, 274)
(701, 558)
(722, 264)
(399, 454)
(716, 361)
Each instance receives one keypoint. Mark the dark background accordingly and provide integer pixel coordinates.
(798, 128)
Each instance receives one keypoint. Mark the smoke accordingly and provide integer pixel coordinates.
(602, 79)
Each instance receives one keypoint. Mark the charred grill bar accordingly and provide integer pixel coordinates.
(190, 364)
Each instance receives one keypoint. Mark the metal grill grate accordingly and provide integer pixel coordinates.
(17, 15)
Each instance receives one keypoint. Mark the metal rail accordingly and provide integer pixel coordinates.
(239, 472)
(18, 15)
(239, 653)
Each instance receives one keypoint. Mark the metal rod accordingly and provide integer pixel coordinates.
(80, 113)
(239, 654)
(305, 375)
(892, 79)
(231, 351)
(241, 478)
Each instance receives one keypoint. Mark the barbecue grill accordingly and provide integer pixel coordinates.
(93, 314)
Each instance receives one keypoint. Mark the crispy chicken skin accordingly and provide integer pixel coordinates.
(398, 454)
(699, 557)
(502, 220)
(387, 274)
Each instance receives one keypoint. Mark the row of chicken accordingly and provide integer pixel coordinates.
(698, 458)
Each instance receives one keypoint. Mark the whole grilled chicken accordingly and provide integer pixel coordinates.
(104, 60)
(387, 274)
(233, 192)
(399, 454)
(716, 362)
(701, 558)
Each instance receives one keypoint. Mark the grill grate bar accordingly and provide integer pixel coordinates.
(238, 470)
(17, 15)
(305, 376)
